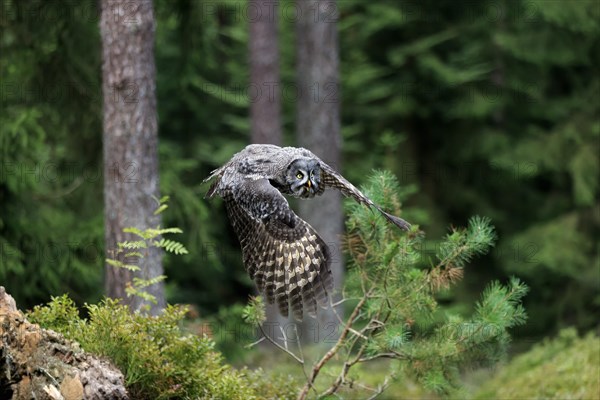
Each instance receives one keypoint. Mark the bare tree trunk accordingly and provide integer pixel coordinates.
(130, 139)
(265, 107)
(318, 129)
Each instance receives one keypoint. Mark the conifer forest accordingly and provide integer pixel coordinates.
(476, 122)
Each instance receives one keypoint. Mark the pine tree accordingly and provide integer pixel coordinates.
(392, 308)
(50, 169)
(490, 108)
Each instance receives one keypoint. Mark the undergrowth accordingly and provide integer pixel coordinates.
(158, 359)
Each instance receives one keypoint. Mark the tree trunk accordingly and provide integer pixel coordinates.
(130, 139)
(318, 129)
(265, 107)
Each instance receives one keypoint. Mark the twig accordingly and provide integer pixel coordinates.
(393, 355)
(345, 299)
(373, 324)
(352, 330)
(345, 368)
(295, 357)
(299, 346)
(285, 343)
(381, 388)
(317, 367)
(339, 380)
(302, 356)
(255, 343)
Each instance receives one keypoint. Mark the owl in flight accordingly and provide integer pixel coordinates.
(283, 254)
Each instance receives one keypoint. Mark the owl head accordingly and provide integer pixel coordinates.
(303, 177)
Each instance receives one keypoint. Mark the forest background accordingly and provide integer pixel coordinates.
(479, 108)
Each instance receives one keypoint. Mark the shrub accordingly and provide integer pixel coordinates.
(159, 361)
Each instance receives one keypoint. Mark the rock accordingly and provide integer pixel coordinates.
(71, 388)
(41, 364)
(6, 301)
(53, 392)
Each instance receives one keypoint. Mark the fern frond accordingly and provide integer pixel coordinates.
(114, 263)
(133, 245)
(169, 230)
(171, 246)
(158, 231)
(132, 291)
(135, 231)
(160, 209)
(119, 264)
(164, 199)
(140, 283)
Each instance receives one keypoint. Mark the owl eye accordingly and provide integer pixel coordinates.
(299, 175)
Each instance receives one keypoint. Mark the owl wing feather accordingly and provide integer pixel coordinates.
(331, 178)
(282, 253)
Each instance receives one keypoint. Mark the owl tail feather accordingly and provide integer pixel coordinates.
(399, 222)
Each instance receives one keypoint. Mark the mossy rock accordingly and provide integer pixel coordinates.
(158, 359)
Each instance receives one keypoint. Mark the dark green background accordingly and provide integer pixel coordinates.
(479, 107)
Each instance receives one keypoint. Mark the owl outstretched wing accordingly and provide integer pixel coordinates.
(282, 253)
(331, 178)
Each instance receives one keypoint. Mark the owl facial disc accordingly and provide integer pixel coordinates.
(304, 177)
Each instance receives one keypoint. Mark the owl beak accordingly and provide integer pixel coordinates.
(308, 183)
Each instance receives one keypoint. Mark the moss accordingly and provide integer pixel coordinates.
(567, 367)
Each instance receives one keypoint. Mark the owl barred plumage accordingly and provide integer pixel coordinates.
(283, 254)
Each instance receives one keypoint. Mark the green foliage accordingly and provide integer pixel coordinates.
(391, 292)
(171, 246)
(401, 309)
(229, 332)
(254, 312)
(159, 361)
(202, 76)
(493, 108)
(272, 384)
(490, 107)
(148, 238)
(60, 315)
(460, 247)
(50, 168)
(566, 367)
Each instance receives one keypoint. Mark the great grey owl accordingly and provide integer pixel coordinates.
(283, 254)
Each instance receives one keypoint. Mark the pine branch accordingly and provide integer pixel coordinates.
(394, 294)
(317, 367)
